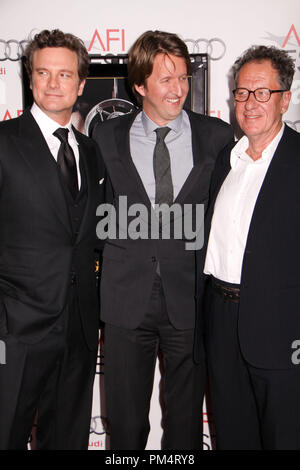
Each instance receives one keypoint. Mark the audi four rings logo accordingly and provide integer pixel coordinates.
(12, 49)
(215, 47)
(294, 125)
(96, 426)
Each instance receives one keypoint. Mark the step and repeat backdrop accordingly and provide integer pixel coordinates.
(220, 29)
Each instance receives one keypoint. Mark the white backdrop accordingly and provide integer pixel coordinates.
(224, 29)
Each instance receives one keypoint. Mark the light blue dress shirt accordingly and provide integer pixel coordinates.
(178, 141)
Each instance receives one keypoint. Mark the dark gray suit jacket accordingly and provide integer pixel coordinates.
(129, 266)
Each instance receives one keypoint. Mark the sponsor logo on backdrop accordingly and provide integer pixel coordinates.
(294, 124)
(96, 444)
(290, 42)
(113, 39)
(109, 39)
(96, 426)
(12, 49)
(215, 47)
(101, 41)
(2, 91)
(290, 39)
(8, 114)
(106, 41)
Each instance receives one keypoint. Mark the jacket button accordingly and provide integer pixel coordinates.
(73, 278)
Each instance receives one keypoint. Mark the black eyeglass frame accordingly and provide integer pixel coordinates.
(253, 91)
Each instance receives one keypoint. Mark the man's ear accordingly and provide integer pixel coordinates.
(286, 98)
(140, 89)
(81, 87)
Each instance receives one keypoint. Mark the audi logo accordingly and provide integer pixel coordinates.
(215, 47)
(96, 426)
(12, 49)
(294, 125)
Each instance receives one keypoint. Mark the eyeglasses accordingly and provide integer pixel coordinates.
(260, 94)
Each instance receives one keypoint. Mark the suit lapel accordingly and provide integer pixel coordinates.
(201, 160)
(90, 169)
(276, 177)
(220, 173)
(269, 194)
(199, 148)
(122, 142)
(269, 189)
(34, 150)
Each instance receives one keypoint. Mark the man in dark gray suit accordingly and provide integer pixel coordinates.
(158, 155)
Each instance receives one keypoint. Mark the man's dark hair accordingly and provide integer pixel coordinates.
(280, 60)
(57, 38)
(143, 52)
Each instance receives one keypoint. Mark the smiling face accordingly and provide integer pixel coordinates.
(261, 121)
(55, 82)
(166, 89)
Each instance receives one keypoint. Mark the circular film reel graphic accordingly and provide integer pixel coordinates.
(107, 109)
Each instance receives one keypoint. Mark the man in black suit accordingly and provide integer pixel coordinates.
(158, 156)
(253, 262)
(49, 191)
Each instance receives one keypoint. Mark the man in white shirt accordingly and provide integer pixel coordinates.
(49, 316)
(252, 264)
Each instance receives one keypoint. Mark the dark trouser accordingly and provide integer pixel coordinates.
(53, 378)
(252, 408)
(130, 357)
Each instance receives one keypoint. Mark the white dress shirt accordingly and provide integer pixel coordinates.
(47, 127)
(233, 211)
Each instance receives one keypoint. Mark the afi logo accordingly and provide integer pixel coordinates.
(106, 39)
(294, 32)
(296, 82)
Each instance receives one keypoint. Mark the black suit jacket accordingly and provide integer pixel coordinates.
(38, 251)
(129, 266)
(269, 314)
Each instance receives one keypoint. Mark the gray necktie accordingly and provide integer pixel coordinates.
(162, 174)
(162, 168)
(66, 161)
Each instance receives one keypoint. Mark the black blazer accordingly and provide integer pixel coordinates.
(129, 266)
(38, 250)
(269, 315)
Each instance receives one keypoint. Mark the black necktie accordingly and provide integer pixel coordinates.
(162, 169)
(66, 160)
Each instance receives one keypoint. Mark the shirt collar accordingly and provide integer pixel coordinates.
(239, 150)
(48, 125)
(150, 126)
